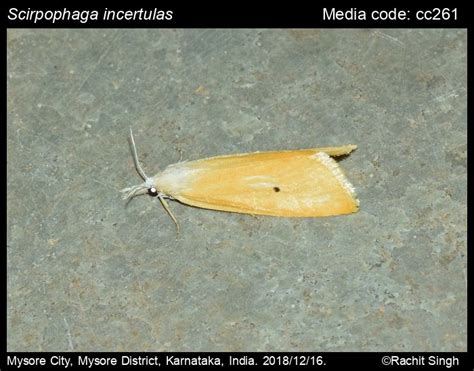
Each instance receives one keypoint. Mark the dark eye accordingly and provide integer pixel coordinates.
(152, 192)
(276, 189)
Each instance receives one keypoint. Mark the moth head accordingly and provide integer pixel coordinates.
(146, 187)
(152, 191)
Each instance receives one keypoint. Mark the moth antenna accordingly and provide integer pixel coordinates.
(168, 210)
(138, 167)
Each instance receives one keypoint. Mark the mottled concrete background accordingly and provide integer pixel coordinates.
(87, 273)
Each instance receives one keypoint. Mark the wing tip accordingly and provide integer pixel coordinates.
(336, 171)
(345, 150)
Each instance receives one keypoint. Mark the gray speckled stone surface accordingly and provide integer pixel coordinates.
(87, 273)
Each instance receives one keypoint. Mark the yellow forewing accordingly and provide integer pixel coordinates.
(300, 183)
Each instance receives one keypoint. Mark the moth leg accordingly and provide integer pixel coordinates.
(168, 210)
(180, 155)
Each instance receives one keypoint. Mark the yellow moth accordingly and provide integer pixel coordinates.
(295, 183)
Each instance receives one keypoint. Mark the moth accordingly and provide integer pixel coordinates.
(293, 183)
